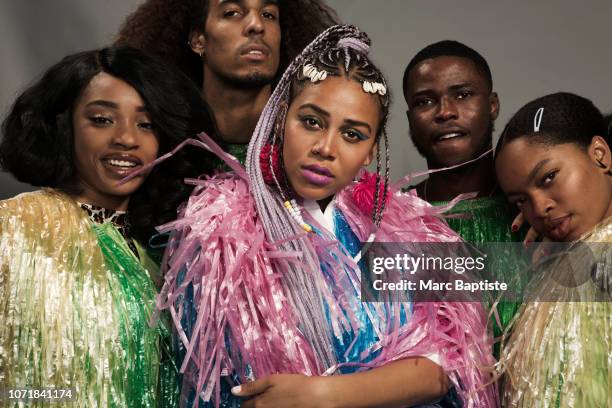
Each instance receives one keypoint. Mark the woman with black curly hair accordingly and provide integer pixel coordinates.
(77, 285)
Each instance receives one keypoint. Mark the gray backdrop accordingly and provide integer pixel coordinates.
(533, 48)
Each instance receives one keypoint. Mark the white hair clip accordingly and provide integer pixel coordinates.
(310, 71)
(374, 88)
(537, 119)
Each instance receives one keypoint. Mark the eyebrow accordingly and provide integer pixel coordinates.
(112, 105)
(358, 123)
(323, 112)
(315, 108)
(531, 175)
(240, 2)
(536, 169)
(456, 87)
(460, 86)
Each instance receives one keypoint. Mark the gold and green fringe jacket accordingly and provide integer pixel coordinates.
(75, 305)
(559, 352)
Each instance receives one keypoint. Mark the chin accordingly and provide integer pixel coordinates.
(122, 191)
(255, 79)
(313, 194)
(462, 157)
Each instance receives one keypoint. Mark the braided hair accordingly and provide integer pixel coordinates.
(341, 51)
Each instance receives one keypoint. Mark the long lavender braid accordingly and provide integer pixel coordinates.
(343, 43)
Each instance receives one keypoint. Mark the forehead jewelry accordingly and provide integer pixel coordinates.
(316, 75)
(537, 119)
(374, 88)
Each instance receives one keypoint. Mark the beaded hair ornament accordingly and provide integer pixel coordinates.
(336, 48)
(316, 75)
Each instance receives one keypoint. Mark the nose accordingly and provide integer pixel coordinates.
(447, 110)
(126, 136)
(325, 145)
(254, 23)
(542, 205)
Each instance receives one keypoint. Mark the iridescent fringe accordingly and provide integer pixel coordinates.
(559, 354)
(75, 304)
(219, 254)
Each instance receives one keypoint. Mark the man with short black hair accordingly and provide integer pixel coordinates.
(451, 111)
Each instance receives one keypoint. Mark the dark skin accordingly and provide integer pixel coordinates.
(240, 46)
(563, 190)
(451, 110)
(398, 384)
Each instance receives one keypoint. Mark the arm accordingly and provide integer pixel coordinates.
(399, 384)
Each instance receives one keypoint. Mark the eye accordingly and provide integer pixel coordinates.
(549, 177)
(353, 135)
(231, 13)
(422, 102)
(146, 126)
(311, 122)
(268, 15)
(101, 120)
(464, 94)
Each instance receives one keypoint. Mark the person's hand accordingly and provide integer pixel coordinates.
(532, 234)
(542, 250)
(283, 390)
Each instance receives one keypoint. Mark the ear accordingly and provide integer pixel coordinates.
(599, 151)
(370, 155)
(197, 41)
(494, 102)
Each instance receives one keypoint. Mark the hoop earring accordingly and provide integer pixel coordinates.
(200, 53)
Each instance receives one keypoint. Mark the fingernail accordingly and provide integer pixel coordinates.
(514, 228)
(527, 244)
(236, 389)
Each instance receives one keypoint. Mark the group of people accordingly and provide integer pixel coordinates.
(197, 238)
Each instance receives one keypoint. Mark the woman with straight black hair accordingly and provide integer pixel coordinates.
(77, 282)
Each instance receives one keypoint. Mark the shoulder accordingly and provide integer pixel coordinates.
(223, 200)
(602, 232)
(35, 201)
(225, 188)
(41, 210)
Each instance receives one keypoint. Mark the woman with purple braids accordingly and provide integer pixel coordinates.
(262, 275)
